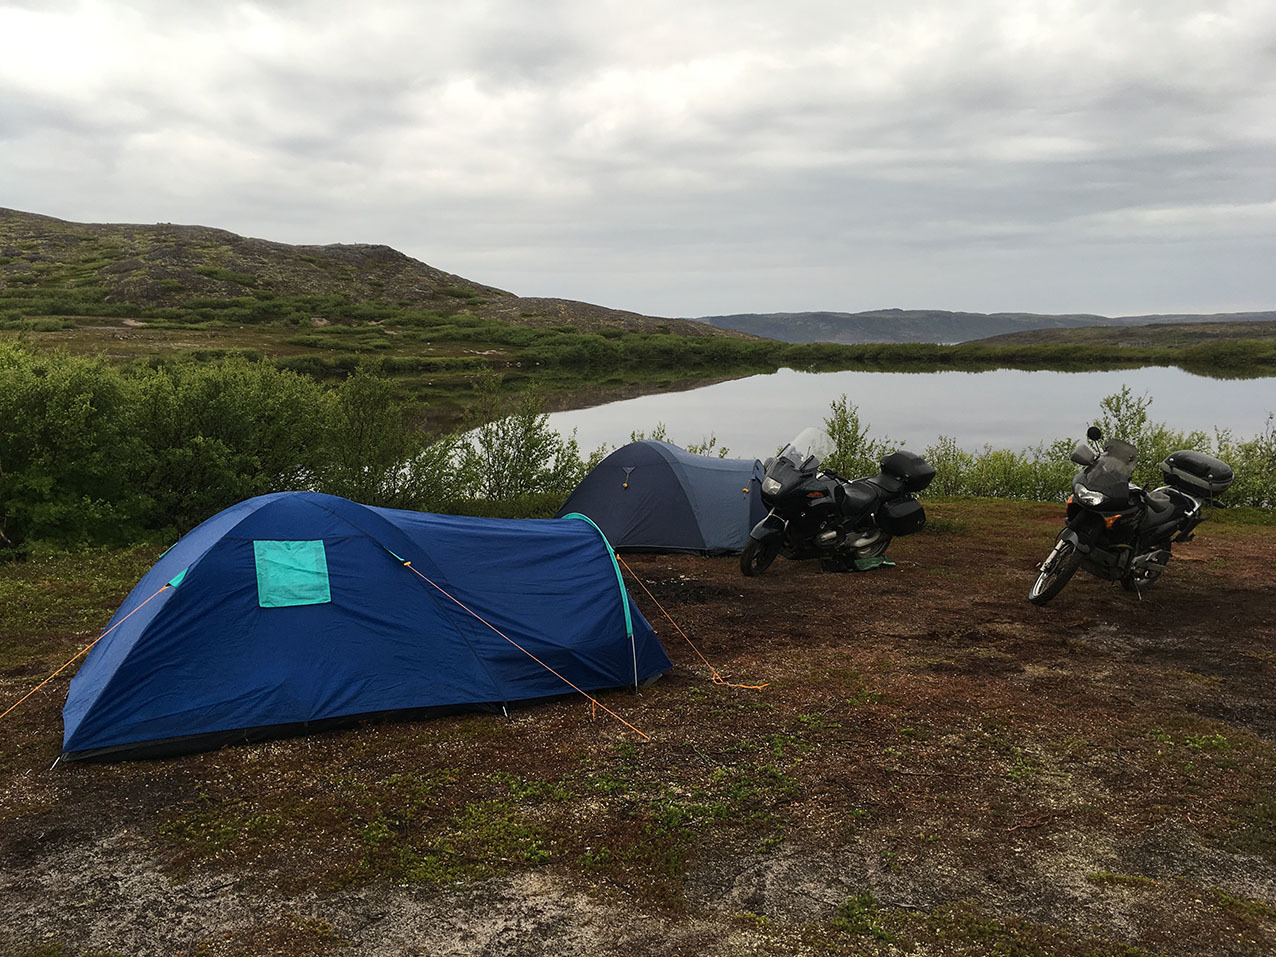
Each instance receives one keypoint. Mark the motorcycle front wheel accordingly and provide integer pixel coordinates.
(758, 556)
(1056, 571)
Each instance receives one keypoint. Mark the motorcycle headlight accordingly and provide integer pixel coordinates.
(1089, 496)
(770, 486)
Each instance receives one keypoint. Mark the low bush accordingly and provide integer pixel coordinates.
(1045, 472)
(511, 453)
(96, 454)
(92, 453)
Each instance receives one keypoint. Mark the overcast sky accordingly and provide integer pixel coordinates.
(682, 159)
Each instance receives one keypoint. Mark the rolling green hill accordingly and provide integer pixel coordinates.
(165, 292)
(172, 267)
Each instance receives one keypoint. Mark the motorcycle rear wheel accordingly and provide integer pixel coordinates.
(876, 550)
(1056, 571)
(757, 557)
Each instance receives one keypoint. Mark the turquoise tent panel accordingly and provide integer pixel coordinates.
(291, 573)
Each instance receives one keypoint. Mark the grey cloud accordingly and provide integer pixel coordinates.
(696, 160)
(537, 49)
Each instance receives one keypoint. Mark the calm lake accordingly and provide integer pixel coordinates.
(1005, 408)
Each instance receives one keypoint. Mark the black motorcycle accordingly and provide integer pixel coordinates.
(1120, 532)
(815, 513)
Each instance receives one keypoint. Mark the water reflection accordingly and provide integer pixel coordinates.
(1005, 408)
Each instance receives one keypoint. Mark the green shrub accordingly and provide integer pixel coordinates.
(855, 453)
(1254, 464)
(97, 454)
(1125, 416)
(377, 452)
(218, 433)
(90, 453)
(1045, 472)
(226, 275)
(579, 350)
(528, 505)
(70, 454)
(513, 452)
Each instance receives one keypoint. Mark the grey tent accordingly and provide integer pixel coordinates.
(654, 496)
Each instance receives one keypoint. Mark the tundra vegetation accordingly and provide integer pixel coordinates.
(419, 345)
(101, 454)
(432, 351)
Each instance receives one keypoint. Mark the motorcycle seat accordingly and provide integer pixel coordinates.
(861, 497)
(1158, 501)
(889, 484)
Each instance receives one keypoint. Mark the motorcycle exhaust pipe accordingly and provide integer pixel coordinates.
(865, 540)
(1157, 560)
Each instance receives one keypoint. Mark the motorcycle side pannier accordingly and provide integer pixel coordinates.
(913, 472)
(901, 516)
(1197, 473)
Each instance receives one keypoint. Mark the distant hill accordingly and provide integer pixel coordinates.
(1169, 335)
(172, 265)
(933, 325)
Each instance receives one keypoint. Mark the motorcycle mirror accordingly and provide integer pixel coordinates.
(1094, 433)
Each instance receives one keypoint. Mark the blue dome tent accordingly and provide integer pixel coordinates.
(653, 496)
(296, 610)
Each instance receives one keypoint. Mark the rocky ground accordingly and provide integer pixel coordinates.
(933, 766)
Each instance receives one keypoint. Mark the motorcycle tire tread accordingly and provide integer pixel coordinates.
(1066, 564)
(757, 557)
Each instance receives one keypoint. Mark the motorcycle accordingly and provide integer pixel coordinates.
(815, 513)
(1118, 531)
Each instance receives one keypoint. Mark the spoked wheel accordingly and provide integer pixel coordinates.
(758, 556)
(1058, 568)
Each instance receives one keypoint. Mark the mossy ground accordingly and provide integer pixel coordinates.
(934, 766)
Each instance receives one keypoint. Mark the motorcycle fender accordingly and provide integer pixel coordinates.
(770, 527)
(1070, 535)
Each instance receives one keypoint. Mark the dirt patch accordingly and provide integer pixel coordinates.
(933, 766)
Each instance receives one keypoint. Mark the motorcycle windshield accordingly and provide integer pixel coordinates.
(808, 449)
(1112, 472)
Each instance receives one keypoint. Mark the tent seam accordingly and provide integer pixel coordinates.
(620, 581)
